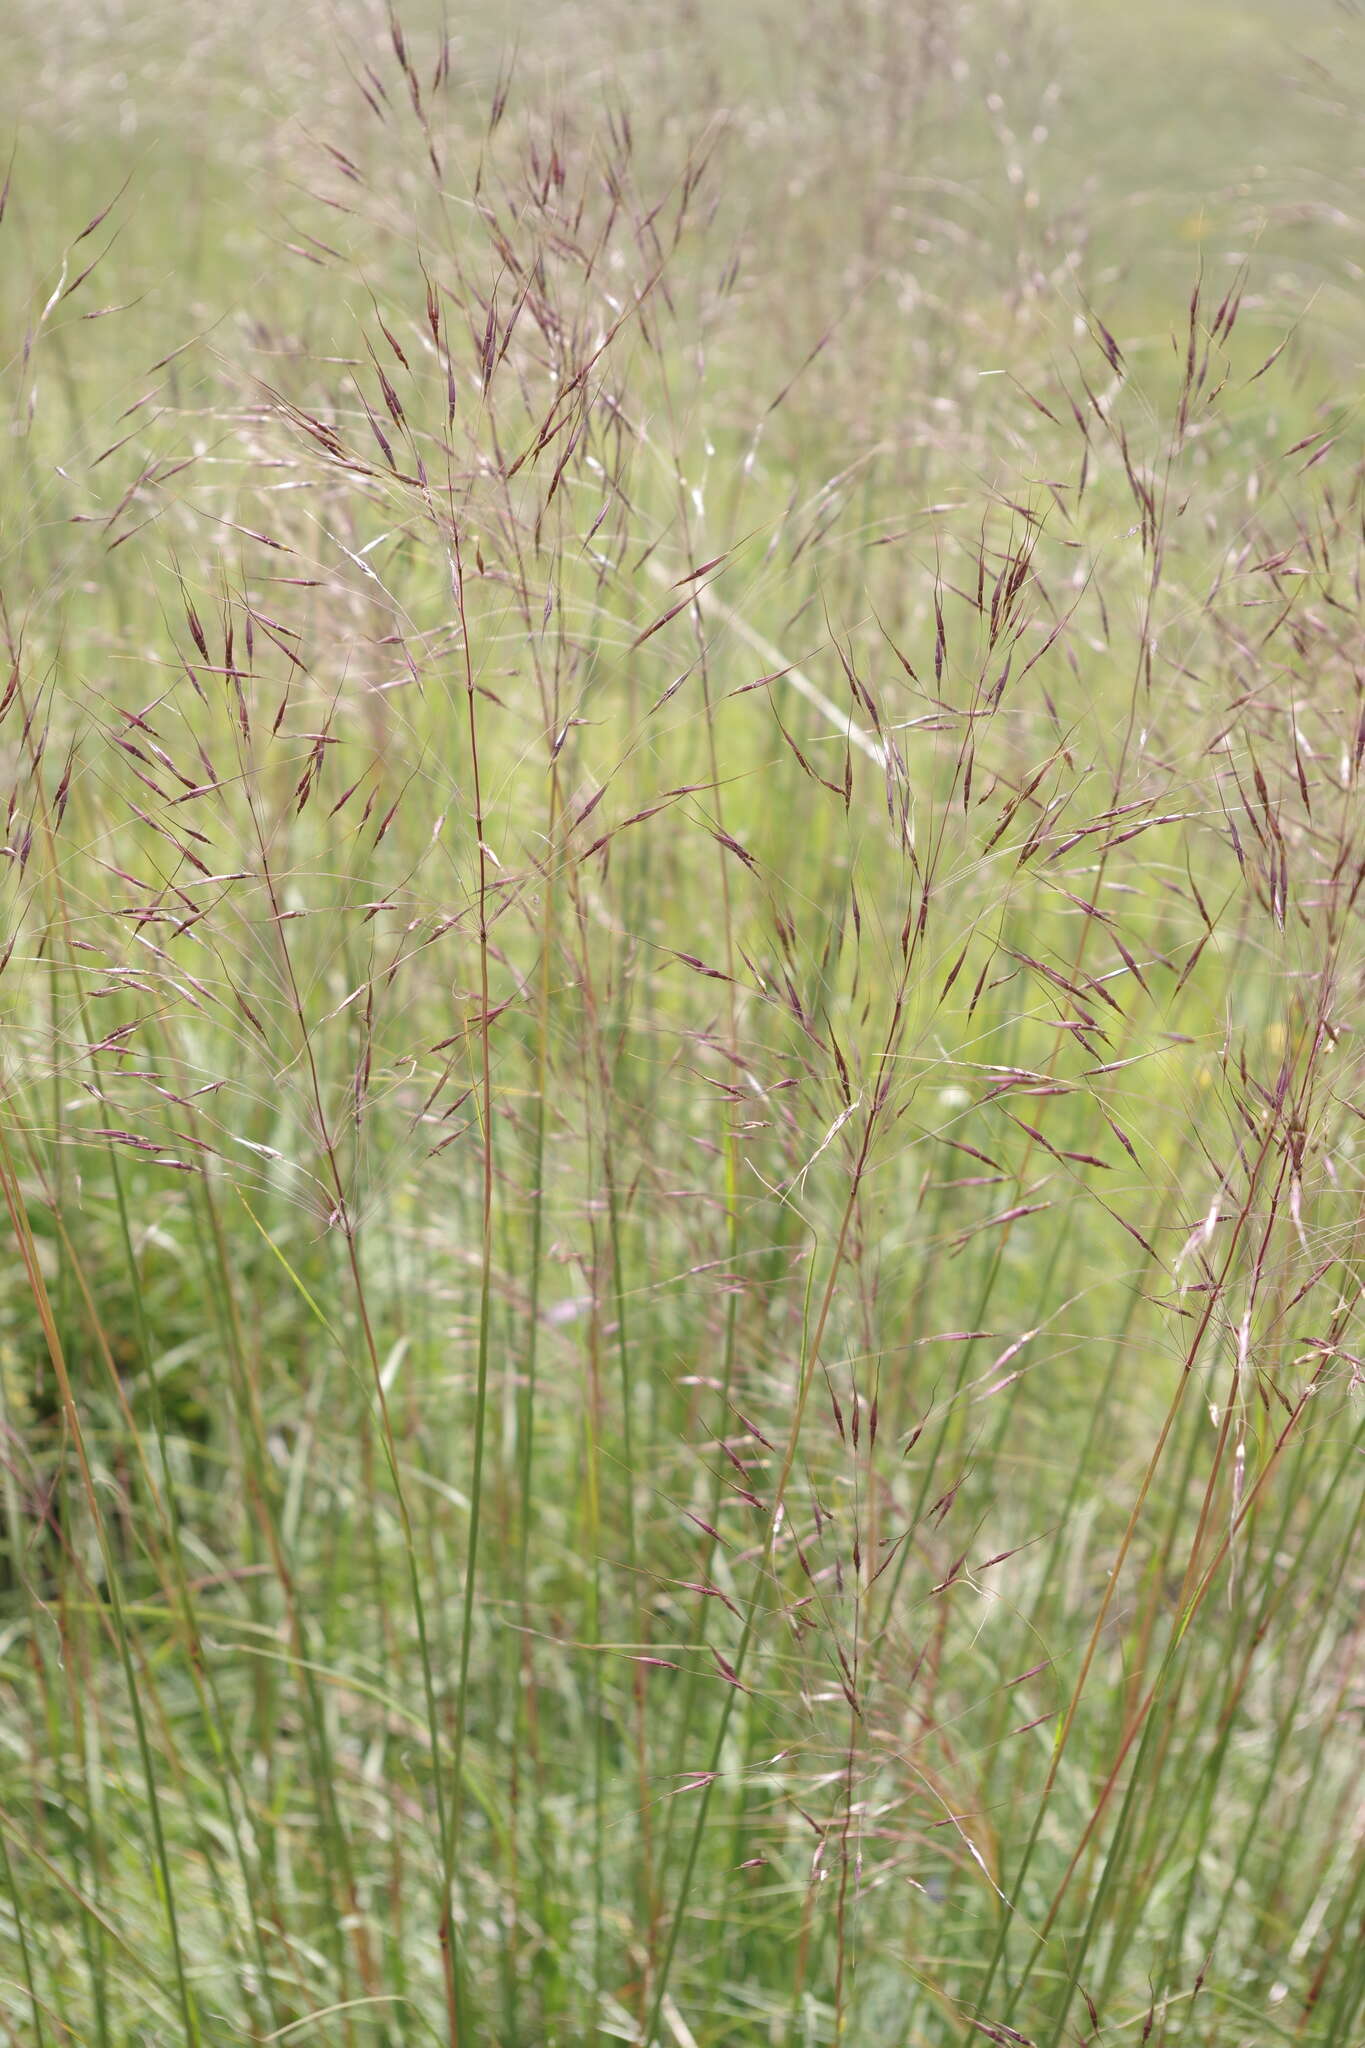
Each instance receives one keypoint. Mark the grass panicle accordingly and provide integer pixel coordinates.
(680, 748)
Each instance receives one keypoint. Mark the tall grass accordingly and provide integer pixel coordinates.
(681, 1094)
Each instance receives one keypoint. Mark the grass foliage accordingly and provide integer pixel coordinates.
(681, 750)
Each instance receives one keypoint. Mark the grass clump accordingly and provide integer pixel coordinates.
(681, 746)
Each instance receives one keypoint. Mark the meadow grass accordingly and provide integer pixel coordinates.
(681, 741)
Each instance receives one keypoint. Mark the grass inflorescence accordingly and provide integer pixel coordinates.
(681, 745)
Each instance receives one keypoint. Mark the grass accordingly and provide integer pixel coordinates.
(681, 754)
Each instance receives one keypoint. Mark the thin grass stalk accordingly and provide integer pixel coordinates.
(451, 1829)
(762, 1573)
(15, 1897)
(189, 2012)
(523, 1645)
(1274, 1598)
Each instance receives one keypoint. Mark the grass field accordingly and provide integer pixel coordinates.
(681, 740)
